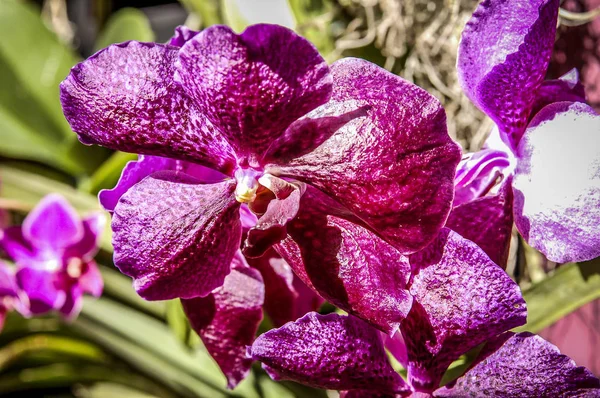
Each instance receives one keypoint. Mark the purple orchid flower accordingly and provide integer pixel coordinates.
(461, 299)
(227, 319)
(54, 252)
(545, 145)
(264, 110)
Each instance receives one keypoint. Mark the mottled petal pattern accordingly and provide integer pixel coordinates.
(557, 183)
(393, 167)
(176, 237)
(488, 222)
(228, 319)
(503, 57)
(53, 224)
(523, 365)
(328, 351)
(252, 86)
(124, 98)
(136, 171)
(349, 266)
(461, 299)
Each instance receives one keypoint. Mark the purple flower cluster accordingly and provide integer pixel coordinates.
(54, 256)
(259, 159)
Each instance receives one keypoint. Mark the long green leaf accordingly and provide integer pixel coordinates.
(32, 64)
(570, 287)
(126, 24)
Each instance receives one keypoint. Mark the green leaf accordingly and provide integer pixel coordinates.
(32, 64)
(568, 288)
(108, 174)
(126, 24)
(314, 21)
(207, 10)
(177, 321)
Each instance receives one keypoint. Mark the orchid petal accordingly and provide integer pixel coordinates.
(348, 265)
(488, 222)
(182, 35)
(124, 98)
(287, 298)
(567, 88)
(252, 86)
(461, 299)
(503, 57)
(271, 226)
(90, 280)
(16, 246)
(557, 183)
(393, 167)
(40, 287)
(328, 351)
(523, 365)
(136, 171)
(175, 237)
(228, 319)
(53, 224)
(87, 246)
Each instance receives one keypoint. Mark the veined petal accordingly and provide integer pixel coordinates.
(53, 224)
(567, 88)
(488, 222)
(228, 319)
(523, 365)
(136, 171)
(124, 98)
(176, 237)
(287, 298)
(252, 86)
(349, 266)
(478, 173)
(328, 351)
(503, 57)
(41, 287)
(557, 183)
(461, 299)
(394, 166)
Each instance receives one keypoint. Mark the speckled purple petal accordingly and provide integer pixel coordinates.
(53, 224)
(393, 167)
(488, 222)
(252, 86)
(176, 237)
(567, 88)
(349, 266)
(271, 226)
(14, 244)
(478, 173)
(90, 280)
(287, 298)
(136, 171)
(461, 299)
(227, 319)
(328, 351)
(557, 183)
(182, 35)
(40, 287)
(523, 365)
(87, 246)
(124, 98)
(503, 57)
